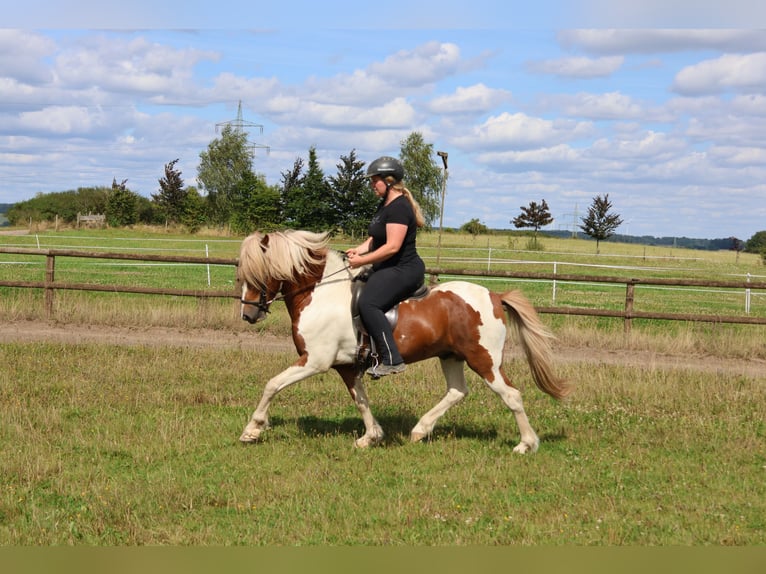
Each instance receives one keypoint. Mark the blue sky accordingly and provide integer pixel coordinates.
(661, 105)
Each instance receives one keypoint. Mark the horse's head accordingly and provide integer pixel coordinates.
(258, 289)
(256, 300)
(269, 262)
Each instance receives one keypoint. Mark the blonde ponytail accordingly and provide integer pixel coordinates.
(419, 219)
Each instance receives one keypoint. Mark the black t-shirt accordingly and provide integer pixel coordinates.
(398, 211)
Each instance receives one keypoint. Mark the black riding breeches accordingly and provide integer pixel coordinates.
(384, 289)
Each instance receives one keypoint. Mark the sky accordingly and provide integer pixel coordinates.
(660, 104)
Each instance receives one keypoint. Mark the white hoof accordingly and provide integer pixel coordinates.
(524, 448)
(368, 441)
(249, 436)
(417, 436)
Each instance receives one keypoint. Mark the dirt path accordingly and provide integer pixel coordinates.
(29, 331)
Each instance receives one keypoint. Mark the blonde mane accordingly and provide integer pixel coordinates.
(285, 255)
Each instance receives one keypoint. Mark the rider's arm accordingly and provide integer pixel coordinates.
(395, 234)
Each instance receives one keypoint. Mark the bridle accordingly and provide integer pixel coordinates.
(261, 304)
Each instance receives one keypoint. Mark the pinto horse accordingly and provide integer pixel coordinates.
(458, 322)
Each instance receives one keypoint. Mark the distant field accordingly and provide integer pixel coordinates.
(501, 253)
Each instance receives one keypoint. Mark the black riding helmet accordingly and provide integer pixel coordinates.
(385, 166)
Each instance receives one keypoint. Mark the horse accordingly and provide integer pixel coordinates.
(458, 321)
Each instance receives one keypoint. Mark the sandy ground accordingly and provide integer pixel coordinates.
(29, 331)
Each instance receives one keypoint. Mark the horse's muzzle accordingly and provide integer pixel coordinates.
(252, 314)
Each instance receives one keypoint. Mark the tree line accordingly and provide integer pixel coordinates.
(232, 195)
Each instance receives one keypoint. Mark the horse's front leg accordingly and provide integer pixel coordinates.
(373, 434)
(260, 419)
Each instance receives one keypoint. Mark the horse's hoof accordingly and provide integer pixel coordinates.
(524, 448)
(417, 436)
(250, 437)
(368, 441)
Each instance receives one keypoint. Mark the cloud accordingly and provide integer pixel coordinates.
(577, 67)
(404, 73)
(125, 66)
(656, 41)
(21, 56)
(730, 72)
(541, 159)
(519, 131)
(397, 113)
(426, 64)
(476, 99)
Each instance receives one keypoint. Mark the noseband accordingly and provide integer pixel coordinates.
(261, 304)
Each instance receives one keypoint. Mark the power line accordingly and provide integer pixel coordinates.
(239, 125)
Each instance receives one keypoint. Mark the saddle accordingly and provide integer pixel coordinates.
(365, 344)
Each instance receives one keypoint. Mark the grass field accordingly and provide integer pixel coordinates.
(105, 445)
(133, 445)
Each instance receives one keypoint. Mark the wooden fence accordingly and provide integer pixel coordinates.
(50, 285)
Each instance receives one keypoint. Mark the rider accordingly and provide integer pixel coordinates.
(397, 268)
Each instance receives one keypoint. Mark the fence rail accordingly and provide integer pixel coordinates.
(50, 285)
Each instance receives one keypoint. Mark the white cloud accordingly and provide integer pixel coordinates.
(542, 158)
(610, 105)
(647, 146)
(21, 55)
(125, 66)
(730, 72)
(578, 67)
(397, 113)
(476, 99)
(425, 64)
(520, 131)
(656, 41)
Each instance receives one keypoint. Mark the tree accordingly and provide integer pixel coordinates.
(534, 216)
(121, 206)
(255, 205)
(757, 243)
(422, 174)
(63, 204)
(291, 191)
(172, 195)
(318, 208)
(353, 202)
(222, 167)
(193, 216)
(474, 227)
(307, 196)
(600, 224)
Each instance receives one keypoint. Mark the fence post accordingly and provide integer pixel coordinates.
(747, 297)
(629, 292)
(50, 274)
(554, 281)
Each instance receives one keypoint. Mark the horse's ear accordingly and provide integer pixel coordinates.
(265, 242)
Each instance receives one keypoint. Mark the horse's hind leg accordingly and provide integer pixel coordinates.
(512, 398)
(457, 389)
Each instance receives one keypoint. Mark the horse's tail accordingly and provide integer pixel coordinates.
(535, 337)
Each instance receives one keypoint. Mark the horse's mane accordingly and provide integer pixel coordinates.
(280, 255)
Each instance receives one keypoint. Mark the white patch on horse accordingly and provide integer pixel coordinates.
(325, 324)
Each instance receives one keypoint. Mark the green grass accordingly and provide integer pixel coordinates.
(106, 445)
(132, 445)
